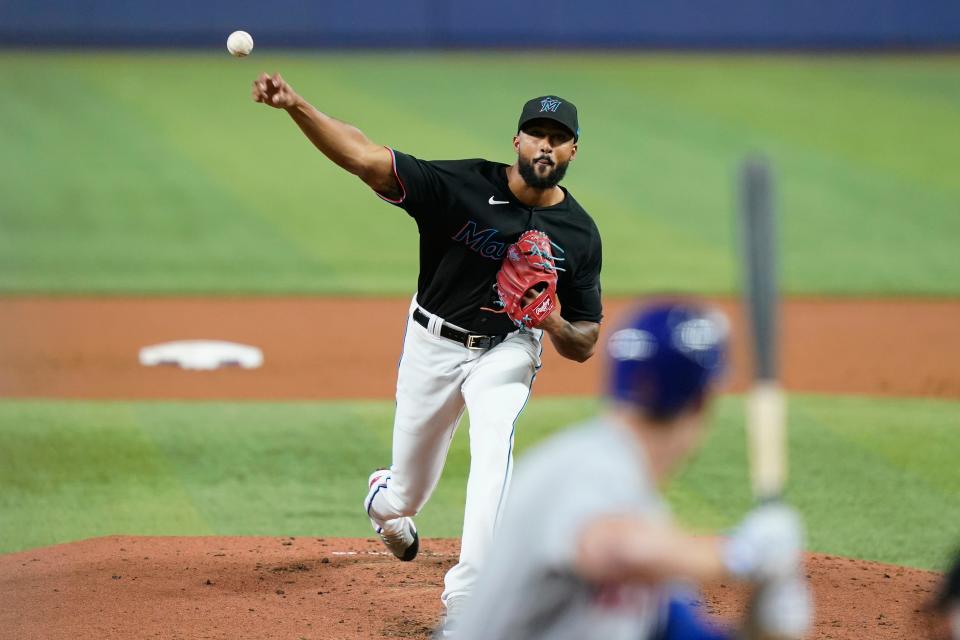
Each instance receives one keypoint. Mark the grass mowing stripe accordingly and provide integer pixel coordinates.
(930, 455)
(884, 471)
(128, 207)
(88, 469)
(260, 469)
(238, 161)
(869, 475)
(859, 108)
(827, 199)
(166, 178)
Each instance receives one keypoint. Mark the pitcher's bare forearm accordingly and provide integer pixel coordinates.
(342, 143)
(572, 340)
(346, 146)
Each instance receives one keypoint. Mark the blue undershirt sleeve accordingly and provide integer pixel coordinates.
(685, 622)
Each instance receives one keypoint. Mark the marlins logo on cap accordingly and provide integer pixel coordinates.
(549, 104)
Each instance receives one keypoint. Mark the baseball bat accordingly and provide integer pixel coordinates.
(766, 404)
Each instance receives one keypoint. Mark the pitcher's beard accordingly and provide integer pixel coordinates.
(529, 174)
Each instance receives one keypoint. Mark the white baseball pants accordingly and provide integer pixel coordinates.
(437, 379)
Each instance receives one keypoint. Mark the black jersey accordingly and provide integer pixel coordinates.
(467, 217)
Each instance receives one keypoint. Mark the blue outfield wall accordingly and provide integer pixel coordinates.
(838, 24)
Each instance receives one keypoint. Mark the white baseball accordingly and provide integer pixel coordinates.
(240, 44)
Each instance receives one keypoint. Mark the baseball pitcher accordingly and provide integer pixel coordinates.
(587, 548)
(506, 254)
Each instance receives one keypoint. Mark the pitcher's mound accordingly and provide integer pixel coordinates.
(313, 588)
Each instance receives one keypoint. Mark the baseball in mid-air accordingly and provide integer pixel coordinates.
(240, 44)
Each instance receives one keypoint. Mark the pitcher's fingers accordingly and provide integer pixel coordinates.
(256, 89)
(279, 82)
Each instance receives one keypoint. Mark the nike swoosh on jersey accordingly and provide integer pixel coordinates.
(492, 201)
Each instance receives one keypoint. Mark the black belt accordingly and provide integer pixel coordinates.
(469, 340)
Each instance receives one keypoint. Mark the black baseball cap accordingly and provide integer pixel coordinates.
(552, 108)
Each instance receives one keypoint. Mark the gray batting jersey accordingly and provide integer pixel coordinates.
(529, 590)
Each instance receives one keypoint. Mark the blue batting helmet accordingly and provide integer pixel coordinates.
(667, 355)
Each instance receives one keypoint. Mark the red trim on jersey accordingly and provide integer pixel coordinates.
(403, 190)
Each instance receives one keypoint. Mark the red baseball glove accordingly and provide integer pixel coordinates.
(529, 265)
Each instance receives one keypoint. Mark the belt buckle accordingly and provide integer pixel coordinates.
(473, 340)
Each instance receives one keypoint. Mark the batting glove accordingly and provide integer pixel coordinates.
(767, 545)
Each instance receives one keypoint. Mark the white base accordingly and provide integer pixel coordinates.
(202, 355)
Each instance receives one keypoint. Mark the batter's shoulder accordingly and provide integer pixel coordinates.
(568, 448)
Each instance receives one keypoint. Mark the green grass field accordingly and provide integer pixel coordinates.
(146, 173)
(155, 173)
(875, 479)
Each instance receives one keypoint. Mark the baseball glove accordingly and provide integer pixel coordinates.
(529, 264)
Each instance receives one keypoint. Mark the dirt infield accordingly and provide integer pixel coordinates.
(307, 589)
(330, 348)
